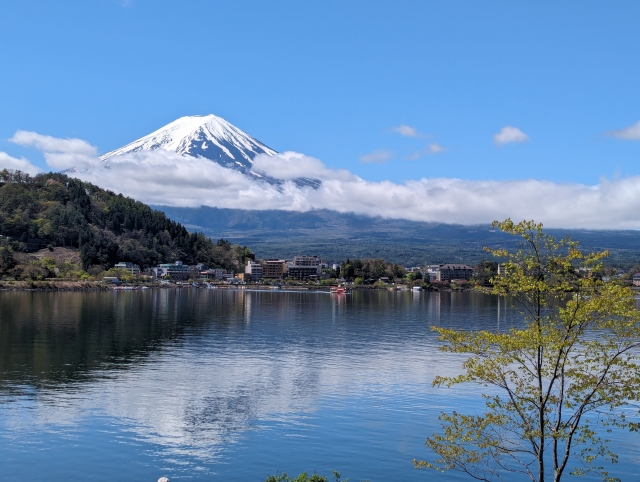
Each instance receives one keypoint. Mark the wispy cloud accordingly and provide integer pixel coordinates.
(631, 133)
(164, 178)
(434, 148)
(413, 157)
(406, 131)
(509, 134)
(430, 150)
(378, 156)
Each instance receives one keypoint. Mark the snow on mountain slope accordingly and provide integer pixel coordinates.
(210, 137)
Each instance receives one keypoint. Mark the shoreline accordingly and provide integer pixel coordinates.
(80, 286)
(94, 286)
(53, 286)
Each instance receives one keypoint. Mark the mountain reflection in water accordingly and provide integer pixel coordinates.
(207, 384)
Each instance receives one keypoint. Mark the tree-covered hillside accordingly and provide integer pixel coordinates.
(335, 236)
(56, 210)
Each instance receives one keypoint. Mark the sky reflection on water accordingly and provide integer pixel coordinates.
(213, 385)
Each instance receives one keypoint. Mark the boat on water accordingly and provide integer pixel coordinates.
(338, 290)
(416, 289)
(276, 287)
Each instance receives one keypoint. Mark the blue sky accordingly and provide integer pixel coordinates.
(333, 79)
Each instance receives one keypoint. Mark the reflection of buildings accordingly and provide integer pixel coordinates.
(435, 302)
(247, 308)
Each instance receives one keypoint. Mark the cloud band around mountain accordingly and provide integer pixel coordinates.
(164, 178)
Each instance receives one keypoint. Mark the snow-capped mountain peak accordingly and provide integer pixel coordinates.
(208, 136)
(211, 137)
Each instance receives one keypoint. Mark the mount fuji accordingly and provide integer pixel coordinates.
(213, 138)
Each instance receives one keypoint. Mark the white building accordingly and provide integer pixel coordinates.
(303, 267)
(176, 271)
(132, 268)
(432, 272)
(254, 269)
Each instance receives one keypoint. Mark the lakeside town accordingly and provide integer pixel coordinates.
(301, 269)
(311, 270)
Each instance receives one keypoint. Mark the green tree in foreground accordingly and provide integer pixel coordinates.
(560, 384)
(303, 477)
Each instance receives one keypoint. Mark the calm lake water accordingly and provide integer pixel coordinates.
(232, 385)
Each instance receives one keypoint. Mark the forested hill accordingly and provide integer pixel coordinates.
(56, 210)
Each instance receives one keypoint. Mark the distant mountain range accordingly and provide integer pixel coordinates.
(336, 236)
(332, 235)
(210, 137)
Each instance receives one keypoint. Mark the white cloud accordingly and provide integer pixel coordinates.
(434, 148)
(290, 165)
(406, 131)
(164, 178)
(378, 156)
(22, 164)
(59, 153)
(53, 144)
(631, 133)
(509, 134)
(161, 177)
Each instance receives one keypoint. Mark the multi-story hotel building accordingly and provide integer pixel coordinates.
(273, 268)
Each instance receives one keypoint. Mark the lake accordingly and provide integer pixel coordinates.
(233, 385)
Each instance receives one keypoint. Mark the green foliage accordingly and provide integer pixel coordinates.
(120, 273)
(7, 260)
(303, 477)
(61, 211)
(371, 268)
(560, 384)
(484, 271)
